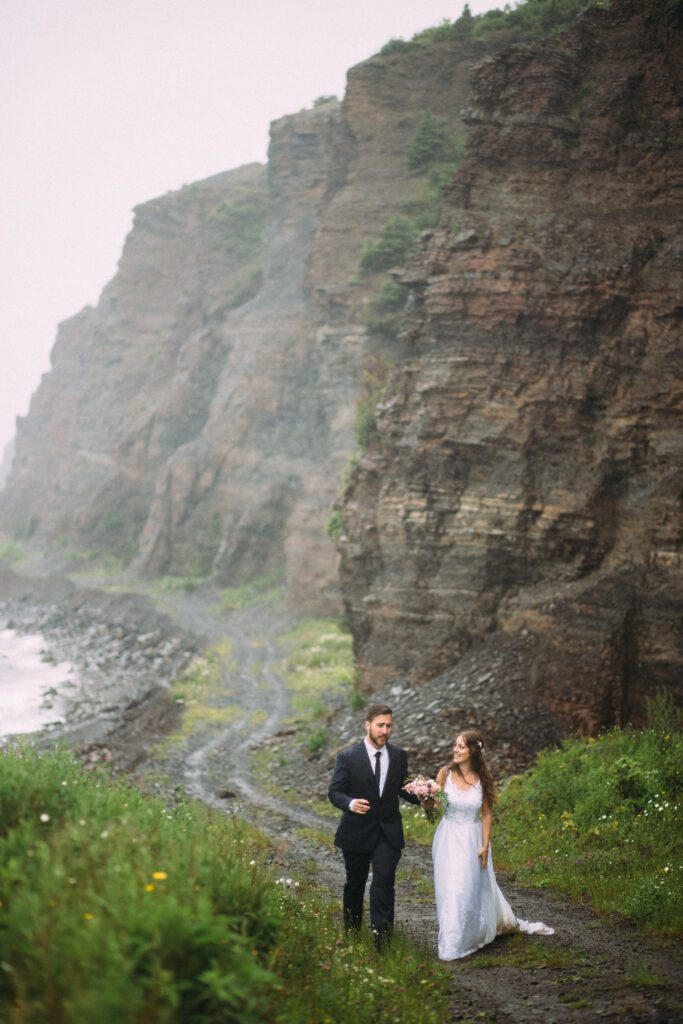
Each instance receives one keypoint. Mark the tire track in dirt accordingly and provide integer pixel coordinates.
(586, 972)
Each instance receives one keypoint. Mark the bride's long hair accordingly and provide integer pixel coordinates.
(477, 748)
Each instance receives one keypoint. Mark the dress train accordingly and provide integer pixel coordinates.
(470, 906)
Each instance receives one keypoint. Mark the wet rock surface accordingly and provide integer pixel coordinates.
(124, 653)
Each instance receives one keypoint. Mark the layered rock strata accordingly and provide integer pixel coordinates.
(523, 502)
(195, 427)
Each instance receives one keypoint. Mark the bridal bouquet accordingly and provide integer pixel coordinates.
(427, 790)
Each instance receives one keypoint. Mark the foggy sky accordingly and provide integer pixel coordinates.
(108, 104)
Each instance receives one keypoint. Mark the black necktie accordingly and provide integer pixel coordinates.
(378, 768)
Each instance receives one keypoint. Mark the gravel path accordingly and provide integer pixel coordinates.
(592, 969)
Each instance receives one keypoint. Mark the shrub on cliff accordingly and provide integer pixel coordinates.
(373, 383)
(394, 245)
(114, 908)
(385, 310)
(601, 820)
(529, 19)
(435, 142)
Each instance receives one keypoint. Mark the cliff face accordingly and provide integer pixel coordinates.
(514, 526)
(522, 504)
(198, 421)
(133, 379)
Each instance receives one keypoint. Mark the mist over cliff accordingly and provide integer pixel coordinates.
(495, 420)
(198, 421)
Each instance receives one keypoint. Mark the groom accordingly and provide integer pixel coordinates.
(367, 782)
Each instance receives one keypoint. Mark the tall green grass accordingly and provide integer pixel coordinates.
(114, 908)
(265, 588)
(318, 667)
(601, 820)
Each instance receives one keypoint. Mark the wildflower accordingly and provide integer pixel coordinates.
(160, 876)
(149, 887)
(45, 817)
(88, 917)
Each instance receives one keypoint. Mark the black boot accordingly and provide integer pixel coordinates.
(382, 937)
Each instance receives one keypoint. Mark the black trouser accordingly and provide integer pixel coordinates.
(384, 859)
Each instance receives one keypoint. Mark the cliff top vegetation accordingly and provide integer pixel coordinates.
(529, 19)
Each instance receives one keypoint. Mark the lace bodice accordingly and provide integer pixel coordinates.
(464, 805)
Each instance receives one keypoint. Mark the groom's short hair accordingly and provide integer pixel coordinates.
(375, 710)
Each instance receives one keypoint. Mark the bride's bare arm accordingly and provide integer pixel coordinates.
(486, 821)
(442, 775)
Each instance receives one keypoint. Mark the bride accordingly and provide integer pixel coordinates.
(470, 907)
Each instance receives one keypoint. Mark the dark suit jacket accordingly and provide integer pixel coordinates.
(353, 779)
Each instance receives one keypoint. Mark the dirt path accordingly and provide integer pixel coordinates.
(592, 969)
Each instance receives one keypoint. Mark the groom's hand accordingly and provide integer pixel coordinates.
(359, 806)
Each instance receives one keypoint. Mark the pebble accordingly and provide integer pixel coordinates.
(118, 660)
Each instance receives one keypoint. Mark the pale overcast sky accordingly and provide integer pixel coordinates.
(108, 103)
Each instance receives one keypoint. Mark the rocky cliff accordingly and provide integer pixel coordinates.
(199, 419)
(513, 526)
(517, 525)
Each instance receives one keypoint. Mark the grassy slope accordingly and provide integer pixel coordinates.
(598, 818)
(601, 819)
(117, 908)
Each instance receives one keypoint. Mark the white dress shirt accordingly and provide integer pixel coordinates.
(383, 762)
(383, 765)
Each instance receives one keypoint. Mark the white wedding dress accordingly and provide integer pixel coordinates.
(471, 908)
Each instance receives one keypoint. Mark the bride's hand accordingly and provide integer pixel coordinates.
(483, 856)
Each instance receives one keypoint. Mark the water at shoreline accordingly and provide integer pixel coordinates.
(32, 690)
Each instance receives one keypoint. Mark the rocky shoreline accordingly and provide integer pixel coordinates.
(125, 655)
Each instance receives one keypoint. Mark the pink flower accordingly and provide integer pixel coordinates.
(429, 793)
(422, 787)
